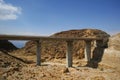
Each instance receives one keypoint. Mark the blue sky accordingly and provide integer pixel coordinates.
(45, 17)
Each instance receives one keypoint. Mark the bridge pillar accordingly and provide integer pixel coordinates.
(69, 53)
(38, 53)
(87, 50)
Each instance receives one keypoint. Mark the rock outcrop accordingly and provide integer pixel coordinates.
(114, 45)
(112, 53)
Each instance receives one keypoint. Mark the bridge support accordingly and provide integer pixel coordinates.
(69, 53)
(38, 52)
(87, 50)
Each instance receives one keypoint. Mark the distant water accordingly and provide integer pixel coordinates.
(18, 44)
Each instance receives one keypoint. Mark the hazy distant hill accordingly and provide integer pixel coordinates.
(18, 44)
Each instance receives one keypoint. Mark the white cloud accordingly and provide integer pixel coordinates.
(8, 11)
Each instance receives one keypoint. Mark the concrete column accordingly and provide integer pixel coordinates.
(88, 50)
(38, 53)
(69, 53)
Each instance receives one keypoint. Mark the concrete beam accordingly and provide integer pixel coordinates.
(28, 37)
(38, 52)
(87, 50)
(69, 53)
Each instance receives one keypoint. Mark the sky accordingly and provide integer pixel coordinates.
(46, 17)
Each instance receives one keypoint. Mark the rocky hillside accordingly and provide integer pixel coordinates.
(5, 45)
(92, 33)
(57, 49)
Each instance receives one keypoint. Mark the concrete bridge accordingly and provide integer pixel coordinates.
(68, 40)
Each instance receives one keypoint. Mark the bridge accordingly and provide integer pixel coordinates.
(69, 41)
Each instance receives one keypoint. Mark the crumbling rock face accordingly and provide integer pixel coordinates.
(114, 42)
(57, 49)
(113, 49)
(5, 45)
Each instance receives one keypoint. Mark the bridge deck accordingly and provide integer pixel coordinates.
(27, 37)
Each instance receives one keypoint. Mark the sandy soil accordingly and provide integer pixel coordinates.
(54, 70)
